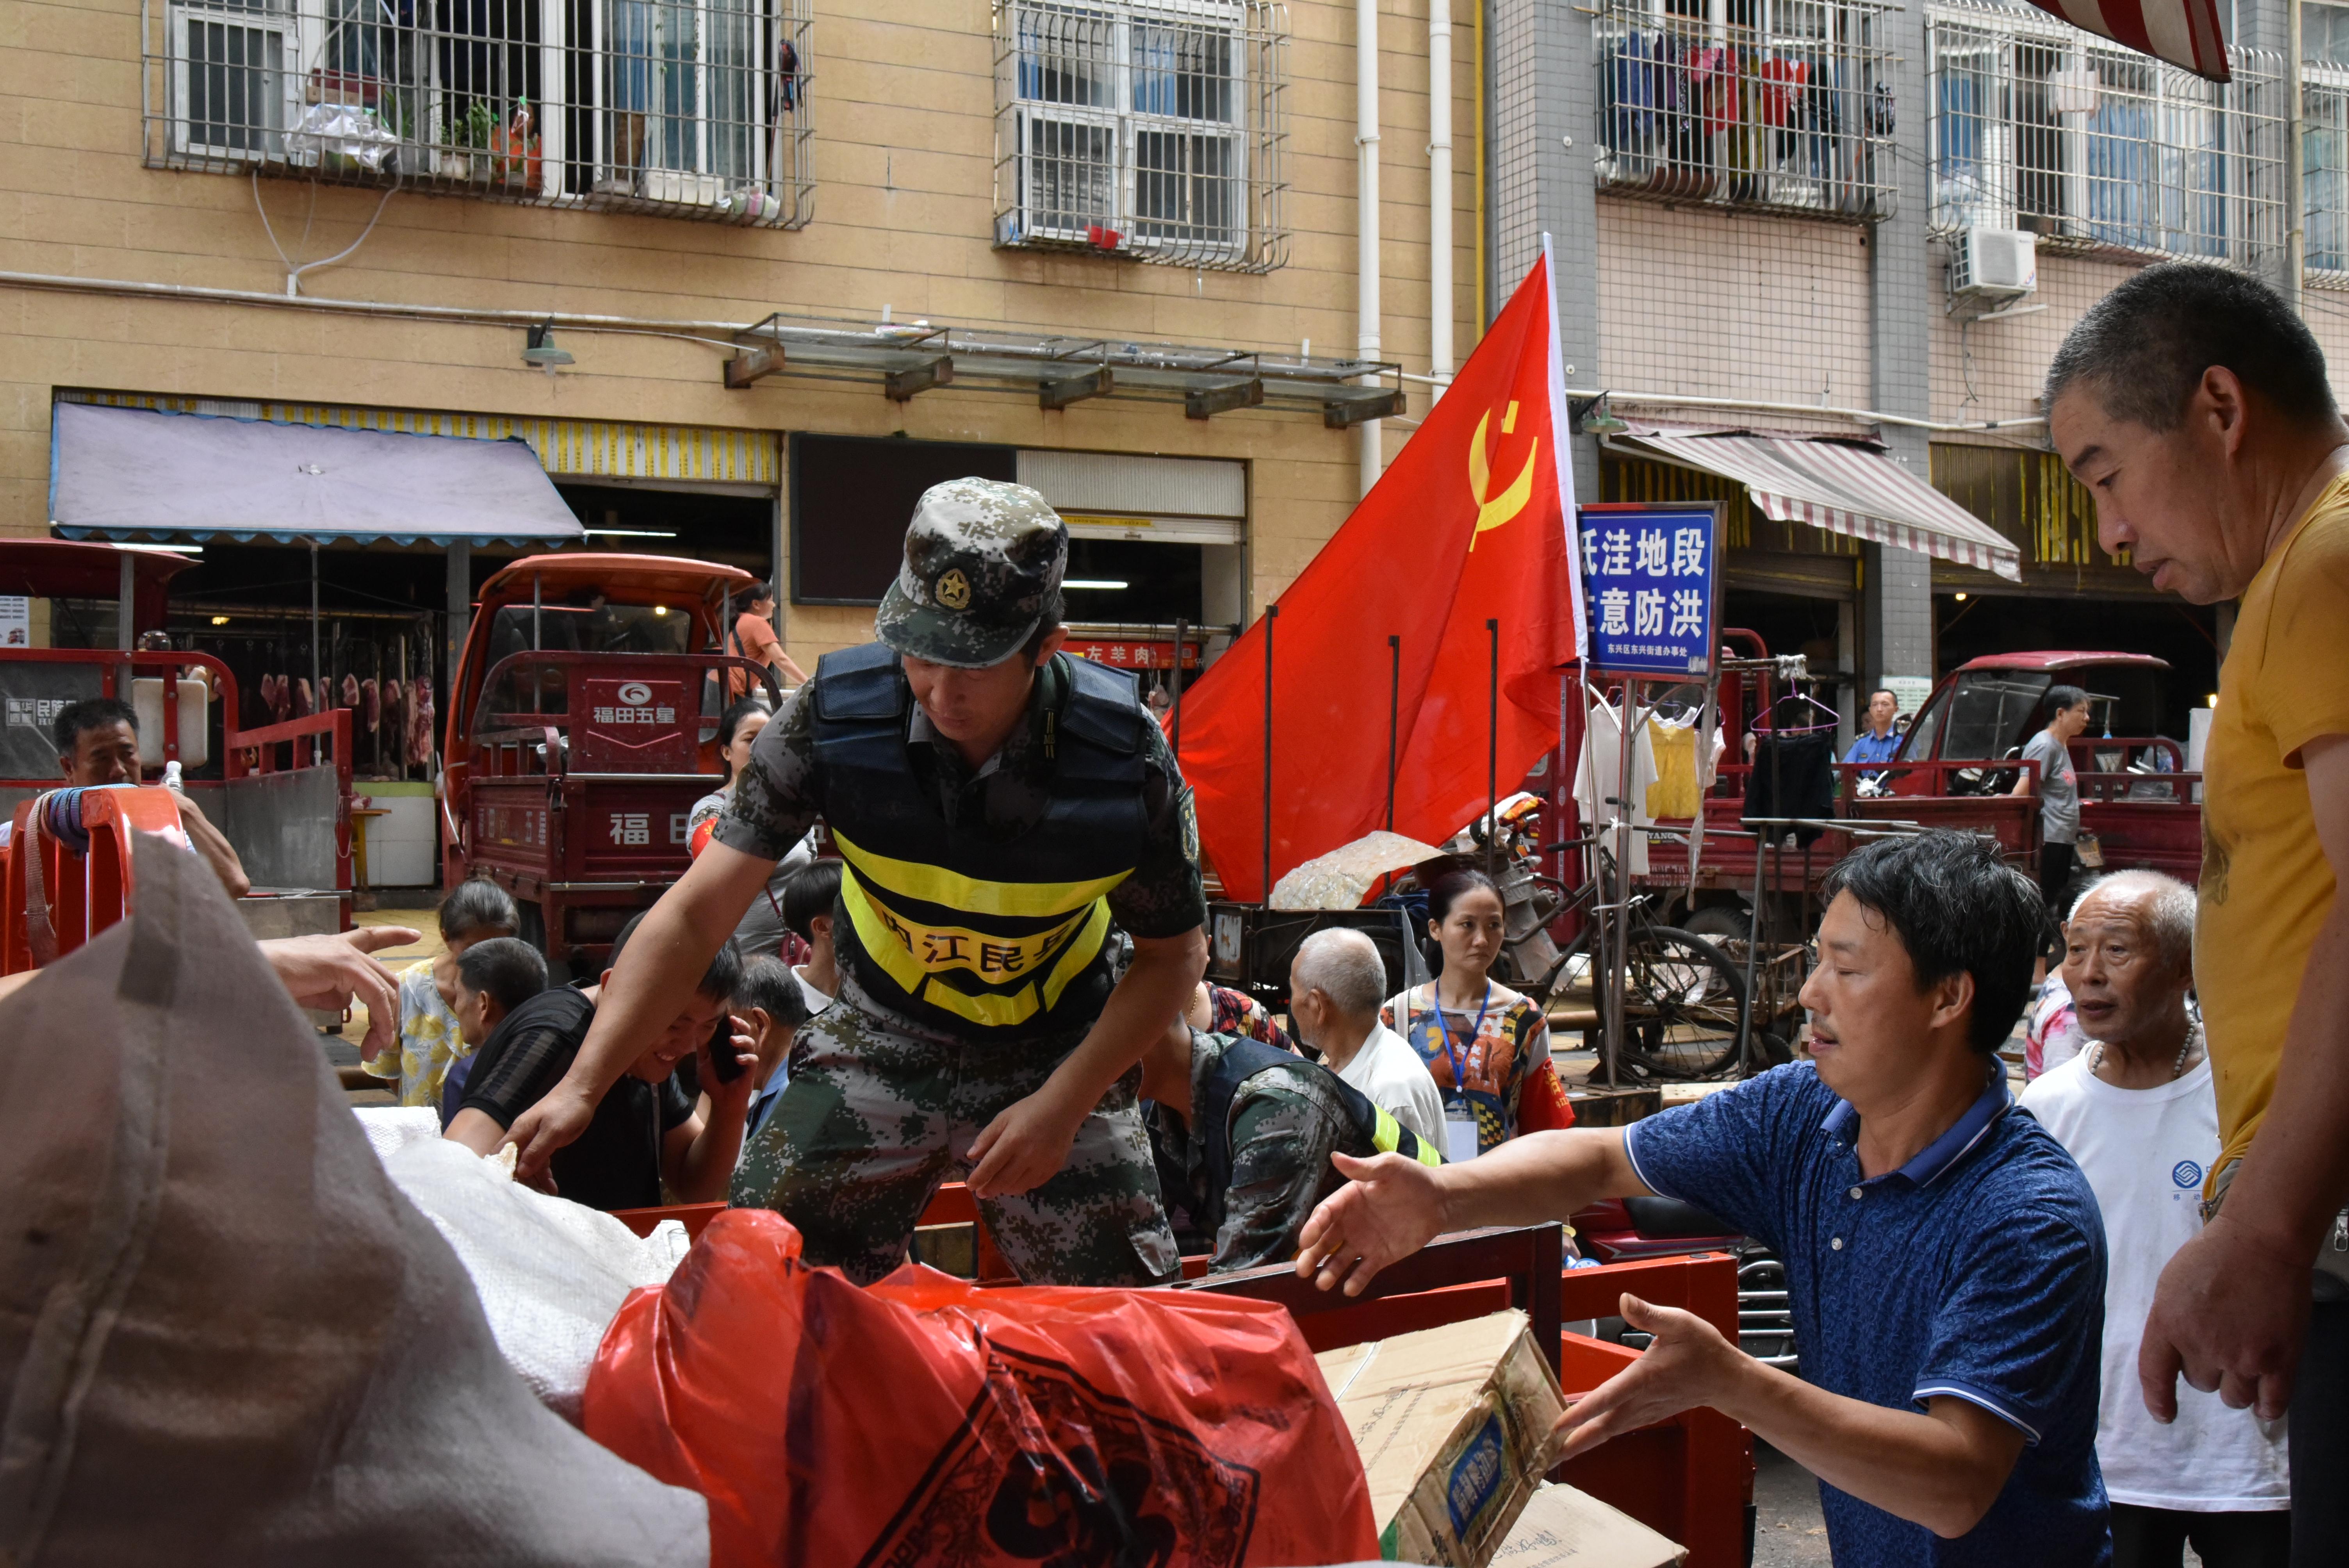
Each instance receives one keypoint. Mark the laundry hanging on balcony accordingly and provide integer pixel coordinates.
(1845, 485)
(2186, 33)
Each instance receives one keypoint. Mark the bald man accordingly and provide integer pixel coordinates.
(1336, 984)
(2136, 1109)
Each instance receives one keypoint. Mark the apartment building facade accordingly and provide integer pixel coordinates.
(746, 274)
(1789, 208)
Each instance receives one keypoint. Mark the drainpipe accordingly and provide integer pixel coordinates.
(1439, 189)
(2295, 166)
(1366, 204)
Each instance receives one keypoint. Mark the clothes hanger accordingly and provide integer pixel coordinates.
(1773, 729)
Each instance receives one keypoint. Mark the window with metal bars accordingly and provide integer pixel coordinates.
(1145, 131)
(231, 79)
(1778, 105)
(686, 107)
(2041, 127)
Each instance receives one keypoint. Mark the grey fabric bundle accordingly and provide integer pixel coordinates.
(224, 1336)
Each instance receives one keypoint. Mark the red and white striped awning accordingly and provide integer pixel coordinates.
(2186, 33)
(1845, 486)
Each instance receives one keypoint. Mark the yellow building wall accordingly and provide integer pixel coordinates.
(902, 108)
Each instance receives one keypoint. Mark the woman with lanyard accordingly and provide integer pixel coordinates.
(1480, 1039)
(762, 931)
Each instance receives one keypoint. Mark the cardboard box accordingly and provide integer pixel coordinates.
(1450, 1424)
(1563, 1528)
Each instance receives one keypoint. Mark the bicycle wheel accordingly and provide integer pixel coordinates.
(1682, 998)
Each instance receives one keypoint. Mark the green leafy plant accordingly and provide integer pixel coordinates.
(480, 124)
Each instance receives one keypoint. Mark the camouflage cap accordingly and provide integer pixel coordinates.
(982, 572)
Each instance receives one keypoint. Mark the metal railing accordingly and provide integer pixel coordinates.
(2325, 184)
(1151, 129)
(694, 108)
(1776, 104)
(2039, 126)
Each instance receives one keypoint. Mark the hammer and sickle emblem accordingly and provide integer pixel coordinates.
(954, 590)
(1493, 510)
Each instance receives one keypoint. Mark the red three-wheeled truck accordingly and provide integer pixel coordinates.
(583, 726)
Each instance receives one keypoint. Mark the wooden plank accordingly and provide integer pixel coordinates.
(1528, 1257)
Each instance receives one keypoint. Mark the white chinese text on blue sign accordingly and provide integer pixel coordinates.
(1648, 580)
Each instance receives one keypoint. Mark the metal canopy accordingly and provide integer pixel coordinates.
(116, 473)
(908, 358)
(1843, 484)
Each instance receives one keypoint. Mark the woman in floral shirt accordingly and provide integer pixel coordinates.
(1480, 1039)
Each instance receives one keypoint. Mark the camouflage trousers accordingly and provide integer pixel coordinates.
(880, 1109)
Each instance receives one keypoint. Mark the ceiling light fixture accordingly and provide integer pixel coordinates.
(174, 548)
(220, 620)
(1109, 583)
(1595, 417)
(1961, 598)
(539, 349)
(630, 532)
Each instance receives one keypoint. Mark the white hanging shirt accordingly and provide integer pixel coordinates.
(1603, 752)
(2144, 1151)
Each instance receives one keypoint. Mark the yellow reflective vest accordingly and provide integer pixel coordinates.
(949, 924)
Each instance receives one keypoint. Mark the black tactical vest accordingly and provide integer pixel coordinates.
(1243, 1060)
(949, 925)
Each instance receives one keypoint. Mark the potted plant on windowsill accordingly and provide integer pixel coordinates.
(467, 152)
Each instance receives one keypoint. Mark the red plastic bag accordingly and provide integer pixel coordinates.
(925, 1420)
(1542, 1105)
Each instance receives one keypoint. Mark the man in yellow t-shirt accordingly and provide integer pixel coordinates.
(2193, 403)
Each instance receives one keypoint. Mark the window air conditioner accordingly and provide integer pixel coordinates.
(1994, 265)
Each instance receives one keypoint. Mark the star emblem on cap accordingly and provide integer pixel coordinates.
(954, 590)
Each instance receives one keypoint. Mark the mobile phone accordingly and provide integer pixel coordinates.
(723, 1060)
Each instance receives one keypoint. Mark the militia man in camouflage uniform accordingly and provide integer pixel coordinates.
(1242, 1133)
(997, 804)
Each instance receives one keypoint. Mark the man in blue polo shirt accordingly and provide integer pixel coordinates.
(1945, 1259)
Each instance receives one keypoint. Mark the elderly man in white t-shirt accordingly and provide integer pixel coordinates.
(1335, 983)
(2136, 1110)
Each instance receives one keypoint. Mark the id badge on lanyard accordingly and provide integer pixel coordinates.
(1460, 1120)
(1459, 1134)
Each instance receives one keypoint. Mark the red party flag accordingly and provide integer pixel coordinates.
(1471, 523)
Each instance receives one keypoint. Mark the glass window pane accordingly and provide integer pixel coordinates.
(232, 84)
(1070, 170)
(1065, 56)
(1183, 72)
(1185, 187)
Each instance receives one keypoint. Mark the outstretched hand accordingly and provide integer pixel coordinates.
(558, 1119)
(1389, 1208)
(1687, 1363)
(328, 972)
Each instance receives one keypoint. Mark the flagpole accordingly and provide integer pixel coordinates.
(1623, 831)
(1394, 716)
(1271, 613)
(1594, 876)
(1492, 747)
(1181, 625)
